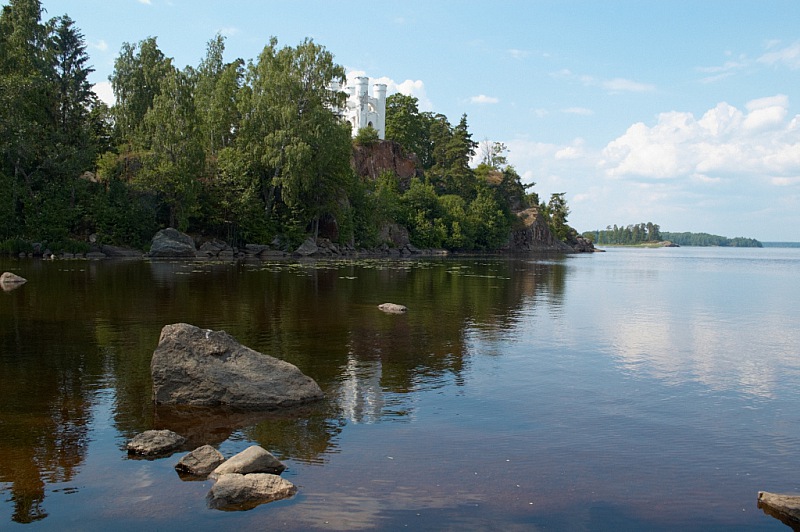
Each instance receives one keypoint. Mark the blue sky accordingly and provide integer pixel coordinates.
(683, 113)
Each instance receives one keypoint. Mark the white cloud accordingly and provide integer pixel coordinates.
(483, 99)
(229, 31)
(578, 111)
(724, 143)
(788, 56)
(726, 70)
(409, 87)
(518, 54)
(100, 45)
(627, 85)
(104, 91)
(145, 2)
(614, 85)
(730, 171)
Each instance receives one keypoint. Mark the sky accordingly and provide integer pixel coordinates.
(681, 113)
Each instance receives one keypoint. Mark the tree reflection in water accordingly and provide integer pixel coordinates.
(74, 330)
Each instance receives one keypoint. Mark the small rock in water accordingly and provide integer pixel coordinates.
(200, 462)
(243, 492)
(393, 308)
(155, 442)
(10, 281)
(254, 459)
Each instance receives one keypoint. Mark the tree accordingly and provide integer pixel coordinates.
(74, 99)
(296, 148)
(493, 154)
(139, 72)
(174, 162)
(453, 148)
(558, 210)
(217, 88)
(410, 128)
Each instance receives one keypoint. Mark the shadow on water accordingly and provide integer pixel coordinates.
(77, 328)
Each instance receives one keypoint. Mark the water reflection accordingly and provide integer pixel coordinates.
(48, 371)
(78, 327)
(716, 320)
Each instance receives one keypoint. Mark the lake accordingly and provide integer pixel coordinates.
(638, 389)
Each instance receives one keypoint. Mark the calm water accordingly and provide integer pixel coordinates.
(635, 389)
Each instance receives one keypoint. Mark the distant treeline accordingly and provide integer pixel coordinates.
(704, 239)
(649, 232)
(781, 244)
(629, 235)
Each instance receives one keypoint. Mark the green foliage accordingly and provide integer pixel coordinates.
(410, 128)
(705, 239)
(557, 212)
(489, 220)
(245, 153)
(15, 246)
(630, 235)
(139, 71)
(366, 136)
(649, 232)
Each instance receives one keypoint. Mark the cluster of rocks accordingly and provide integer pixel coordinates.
(96, 251)
(171, 243)
(243, 481)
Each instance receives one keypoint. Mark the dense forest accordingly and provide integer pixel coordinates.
(650, 233)
(245, 151)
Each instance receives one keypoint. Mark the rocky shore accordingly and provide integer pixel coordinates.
(172, 244)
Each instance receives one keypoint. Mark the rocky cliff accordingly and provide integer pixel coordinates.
(533, 234)
(385, 156)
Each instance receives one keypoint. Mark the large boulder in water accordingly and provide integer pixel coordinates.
(170, 242)
(193, 366)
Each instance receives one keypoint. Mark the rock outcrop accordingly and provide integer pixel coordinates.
(533, 234)
(385, 156)
(200, 462)
(254, 459)
(193, 366)
(155, 443)
(785, 508)
(171, 243)
(234, 491)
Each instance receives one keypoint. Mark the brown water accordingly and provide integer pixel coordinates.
(637, 389)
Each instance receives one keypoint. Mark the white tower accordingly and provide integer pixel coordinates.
(363, 110)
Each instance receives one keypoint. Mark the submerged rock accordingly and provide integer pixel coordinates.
(785, 508)
(200, 462)
(10, 281)
(254, 459)
(393, 308)
(234, 491)
(155, 442)
(193, 366)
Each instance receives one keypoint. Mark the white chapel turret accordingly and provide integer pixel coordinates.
(363, 110)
